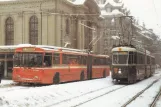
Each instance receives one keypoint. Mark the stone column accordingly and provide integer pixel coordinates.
(18, 28)
(79, 34)
(51, 30)
(58, 30)
(2, 29)
(26, 27)
(44, 29)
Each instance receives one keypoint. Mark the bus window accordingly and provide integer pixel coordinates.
(47, 59)
(65, 59)
(73, 59)
(84, 60)
(56, 58)
(28, 59)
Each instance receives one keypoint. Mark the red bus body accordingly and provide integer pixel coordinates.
(64, 65)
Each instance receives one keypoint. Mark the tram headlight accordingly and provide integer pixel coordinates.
(119, 71)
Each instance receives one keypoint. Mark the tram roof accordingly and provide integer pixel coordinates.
(121, 48)
(140, 50)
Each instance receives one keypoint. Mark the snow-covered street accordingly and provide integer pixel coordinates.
(98, 92)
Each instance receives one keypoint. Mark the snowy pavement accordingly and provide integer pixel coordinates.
(95, 93)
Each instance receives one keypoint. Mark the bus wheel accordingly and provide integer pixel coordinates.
(82, 76)
(104, 73)
(56, 79)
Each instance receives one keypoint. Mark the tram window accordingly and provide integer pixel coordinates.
(2, 56)
(132, 58)
(10, 56)
(148, 60)
(153, 61)
(56, 58)
(115, 59)
(140, 58)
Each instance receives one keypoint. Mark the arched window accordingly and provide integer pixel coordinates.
(9, 27)
(67, 26)
(33, 30)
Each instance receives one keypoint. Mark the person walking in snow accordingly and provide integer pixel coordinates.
(1, 71)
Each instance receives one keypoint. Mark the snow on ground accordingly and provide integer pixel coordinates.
(99, 92)
(47, 95)
(6, 82)
(159, 103)
(118, 98)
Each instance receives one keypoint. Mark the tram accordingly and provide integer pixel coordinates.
(130, 64)
(42, 64)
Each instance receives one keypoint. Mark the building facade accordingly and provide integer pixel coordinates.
(111, 10)
(65, 23)
(48, 22)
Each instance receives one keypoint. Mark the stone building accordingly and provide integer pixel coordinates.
(65, 23)
(48, 22)
(111, 10)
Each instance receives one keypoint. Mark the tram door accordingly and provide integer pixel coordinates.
(89, 67)
(9, 68)
(2, 68)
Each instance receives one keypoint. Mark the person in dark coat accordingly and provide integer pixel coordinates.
(1, 71)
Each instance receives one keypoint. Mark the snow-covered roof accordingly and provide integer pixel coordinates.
(115, 37)
(114, 13)
(117, 12)
(77, 2)
(111, 3)
(138, 26)
(146, 32)
(144, 35)
(123, 49)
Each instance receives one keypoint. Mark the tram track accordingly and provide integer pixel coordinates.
(89, 93)
(156, 99)
(140, 93)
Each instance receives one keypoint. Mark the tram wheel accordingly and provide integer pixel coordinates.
(82, 76)
(56, 79)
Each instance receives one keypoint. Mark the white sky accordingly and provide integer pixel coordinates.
(147, 11)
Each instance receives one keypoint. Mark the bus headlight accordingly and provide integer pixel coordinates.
(18, 76)
(36, 77)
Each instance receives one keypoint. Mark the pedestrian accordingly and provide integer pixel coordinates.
(1, 71)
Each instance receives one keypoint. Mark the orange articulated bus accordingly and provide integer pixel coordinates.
(51, 65)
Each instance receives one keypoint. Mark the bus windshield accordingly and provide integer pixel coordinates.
(28, 59)
(120, 58)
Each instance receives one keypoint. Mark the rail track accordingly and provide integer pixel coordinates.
(156, 99)
(139, 93)
(89, 93)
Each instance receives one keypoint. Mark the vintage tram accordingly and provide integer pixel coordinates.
(130, 64)
(41, 64)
